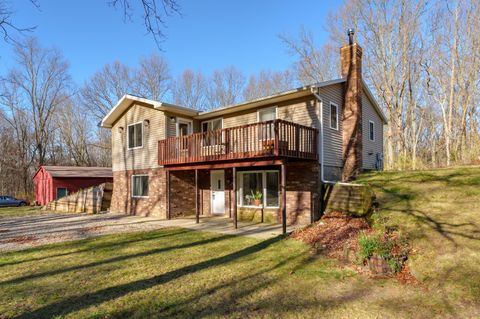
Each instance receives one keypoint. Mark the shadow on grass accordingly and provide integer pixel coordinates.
(94, 247)
(75, 303)
(250, 295)
(399, 200)
(113, 260)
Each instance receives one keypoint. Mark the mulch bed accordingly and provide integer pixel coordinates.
(334, 233)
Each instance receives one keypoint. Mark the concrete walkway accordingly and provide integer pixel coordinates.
(25, 232)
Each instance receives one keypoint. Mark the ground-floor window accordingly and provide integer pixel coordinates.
(258, 188)
(61, 192)
(140, 186)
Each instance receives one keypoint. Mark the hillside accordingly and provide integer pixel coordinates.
(440, 212)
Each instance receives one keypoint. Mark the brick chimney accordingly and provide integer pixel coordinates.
(351, 64)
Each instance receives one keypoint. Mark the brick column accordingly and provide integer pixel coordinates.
(351, 65)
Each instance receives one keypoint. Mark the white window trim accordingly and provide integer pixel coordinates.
(128, 136)
(131, 186)
(211, 120)
(184, 121)
(330, 115)
(371, 122)
(56, 191)
(264, 182)
(266, 109)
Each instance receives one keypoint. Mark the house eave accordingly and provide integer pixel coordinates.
(127, 100)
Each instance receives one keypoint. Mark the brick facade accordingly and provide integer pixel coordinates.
(154, 205)
(302, 194)
(351, 67)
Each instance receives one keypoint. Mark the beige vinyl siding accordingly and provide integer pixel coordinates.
(171, 126)
(371, 148)
(301, 111)
(305, 111)
(240, 118)
(146, 156)
(332, 139)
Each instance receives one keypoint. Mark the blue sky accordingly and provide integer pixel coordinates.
(209, 35)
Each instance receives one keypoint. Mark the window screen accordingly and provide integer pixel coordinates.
(333, 116)
(135, 138)
(140, 186)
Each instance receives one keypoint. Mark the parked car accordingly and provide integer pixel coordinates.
(8, 201)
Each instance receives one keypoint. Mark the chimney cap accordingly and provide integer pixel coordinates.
(350, 33)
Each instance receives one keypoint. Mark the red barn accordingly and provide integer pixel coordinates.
(54, 182)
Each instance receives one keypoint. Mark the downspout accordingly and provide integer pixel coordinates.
(322, 176)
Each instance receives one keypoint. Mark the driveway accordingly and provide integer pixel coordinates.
(24, 232)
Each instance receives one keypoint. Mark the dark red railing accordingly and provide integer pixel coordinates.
(264, 139)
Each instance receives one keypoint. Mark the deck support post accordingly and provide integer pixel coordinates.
(167, 191)
(197, 207)
(284, 197)
(234, 187)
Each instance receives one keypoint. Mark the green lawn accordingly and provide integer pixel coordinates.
(184, 273)
(21, 211)
(440, 211)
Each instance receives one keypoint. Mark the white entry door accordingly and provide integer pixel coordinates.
(217, 187)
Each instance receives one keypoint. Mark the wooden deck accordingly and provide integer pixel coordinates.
(276, 138)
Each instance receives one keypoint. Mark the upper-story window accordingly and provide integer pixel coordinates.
(212, 125)
(268, 114)
(135, 135)
(371, 131)
(334, 116)
(212, 138)
(184, 127)
(267, 131)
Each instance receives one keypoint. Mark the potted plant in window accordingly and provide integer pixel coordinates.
(256, 198)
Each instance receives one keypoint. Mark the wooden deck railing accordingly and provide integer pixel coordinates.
(264, 139)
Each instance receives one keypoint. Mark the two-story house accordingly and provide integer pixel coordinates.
(267, 156)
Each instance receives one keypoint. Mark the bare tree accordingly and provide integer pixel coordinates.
(106, 87)
(8, 27)
(40, 83)
(153, 77)
(189, 89)
(74, 132)
(314, 64)
(18, 145)
(154, 14)
(267, 83)
(391, 35)
(225, 87)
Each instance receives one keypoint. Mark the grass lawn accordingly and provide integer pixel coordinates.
(185, 273)
(21, 211)
(440, 212)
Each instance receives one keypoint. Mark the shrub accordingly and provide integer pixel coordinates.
(390, 246)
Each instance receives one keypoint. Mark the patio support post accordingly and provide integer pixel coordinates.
(197, 207)
(284, 198)
(167, 188)
(234, 186)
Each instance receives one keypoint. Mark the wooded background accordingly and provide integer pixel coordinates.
(421, 59)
